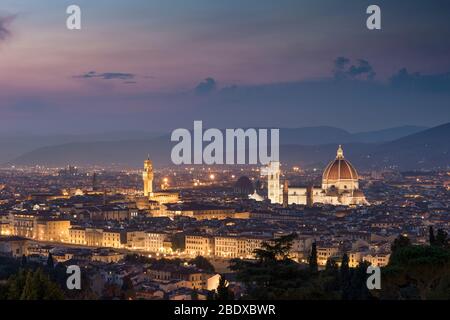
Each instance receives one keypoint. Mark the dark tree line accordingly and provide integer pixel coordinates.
(413, 272)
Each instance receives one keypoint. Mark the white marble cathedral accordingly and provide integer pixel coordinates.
(339, 186)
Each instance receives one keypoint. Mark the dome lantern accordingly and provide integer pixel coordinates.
(340, 153)
(340, 174)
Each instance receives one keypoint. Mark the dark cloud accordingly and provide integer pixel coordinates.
(5, 32)
(326, 101)
(107, 75)
(206, 86)
(340, 64)
(361, 70)
(439, 82)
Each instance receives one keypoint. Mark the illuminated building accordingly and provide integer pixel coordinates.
(96, 237)
(77, 235)
(325, 252)
(5, 229)
(165, 197)
(135, 240)
(237, 247)
(196, 245)
(40, 227)
(201, 211)
(340, 186)
(107, 256)
(23, 224)
(154, 242)
(52, 229)
(160, 197)
(111, 238)
(147, 177)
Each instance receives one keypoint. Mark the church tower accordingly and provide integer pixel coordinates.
(273, 182)
(147, 176)
(286, 194)
(310, 196)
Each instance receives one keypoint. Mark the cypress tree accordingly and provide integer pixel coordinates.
(23, 262)
(345, 276)
(313, 258)
(401, 242)
(441, 238)
(432, 238)
(50, 263)
(222, 291)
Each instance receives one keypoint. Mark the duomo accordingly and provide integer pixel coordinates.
(340, 186)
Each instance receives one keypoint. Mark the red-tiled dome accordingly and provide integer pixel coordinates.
(339, 169)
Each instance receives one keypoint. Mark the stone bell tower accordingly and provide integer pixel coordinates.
(147, 176)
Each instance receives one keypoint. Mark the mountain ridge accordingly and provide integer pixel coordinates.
(425, 149)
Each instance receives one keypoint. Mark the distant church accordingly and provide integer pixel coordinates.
(340, 186)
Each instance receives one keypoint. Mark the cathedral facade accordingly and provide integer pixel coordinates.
(340, 186)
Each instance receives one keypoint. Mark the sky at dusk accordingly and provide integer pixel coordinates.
(156, 65)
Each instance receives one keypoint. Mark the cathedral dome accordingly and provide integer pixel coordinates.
(340, 173)
(244, 186)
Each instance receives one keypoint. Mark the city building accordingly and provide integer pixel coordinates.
(340, 185)
(197, 245)
(160, 197)
(147, 177)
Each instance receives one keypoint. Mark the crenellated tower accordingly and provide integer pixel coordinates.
(147, 177)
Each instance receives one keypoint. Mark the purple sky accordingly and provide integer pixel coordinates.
(158, 65)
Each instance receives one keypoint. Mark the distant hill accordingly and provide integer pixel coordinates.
(310, 136)
(14, 145)
(386, 134)
(126, 153)
(426, 149)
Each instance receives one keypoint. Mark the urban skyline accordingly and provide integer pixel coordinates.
(134, 152)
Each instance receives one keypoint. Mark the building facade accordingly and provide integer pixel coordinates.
(340, 186)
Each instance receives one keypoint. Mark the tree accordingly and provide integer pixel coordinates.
(222, 291)
(15, 285)
(331, 267)
(23, 262)
(357, 289)
(312, 260)
(272, 275)
(111, 291)
(50, 262)
(203, 263)
(194, 295)
(431, 236)
(279, 249)
(401, 242)
(417, 272)
(330, 276)
(33, 285)
(128, 292)
(441, 239)
(344, 274)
